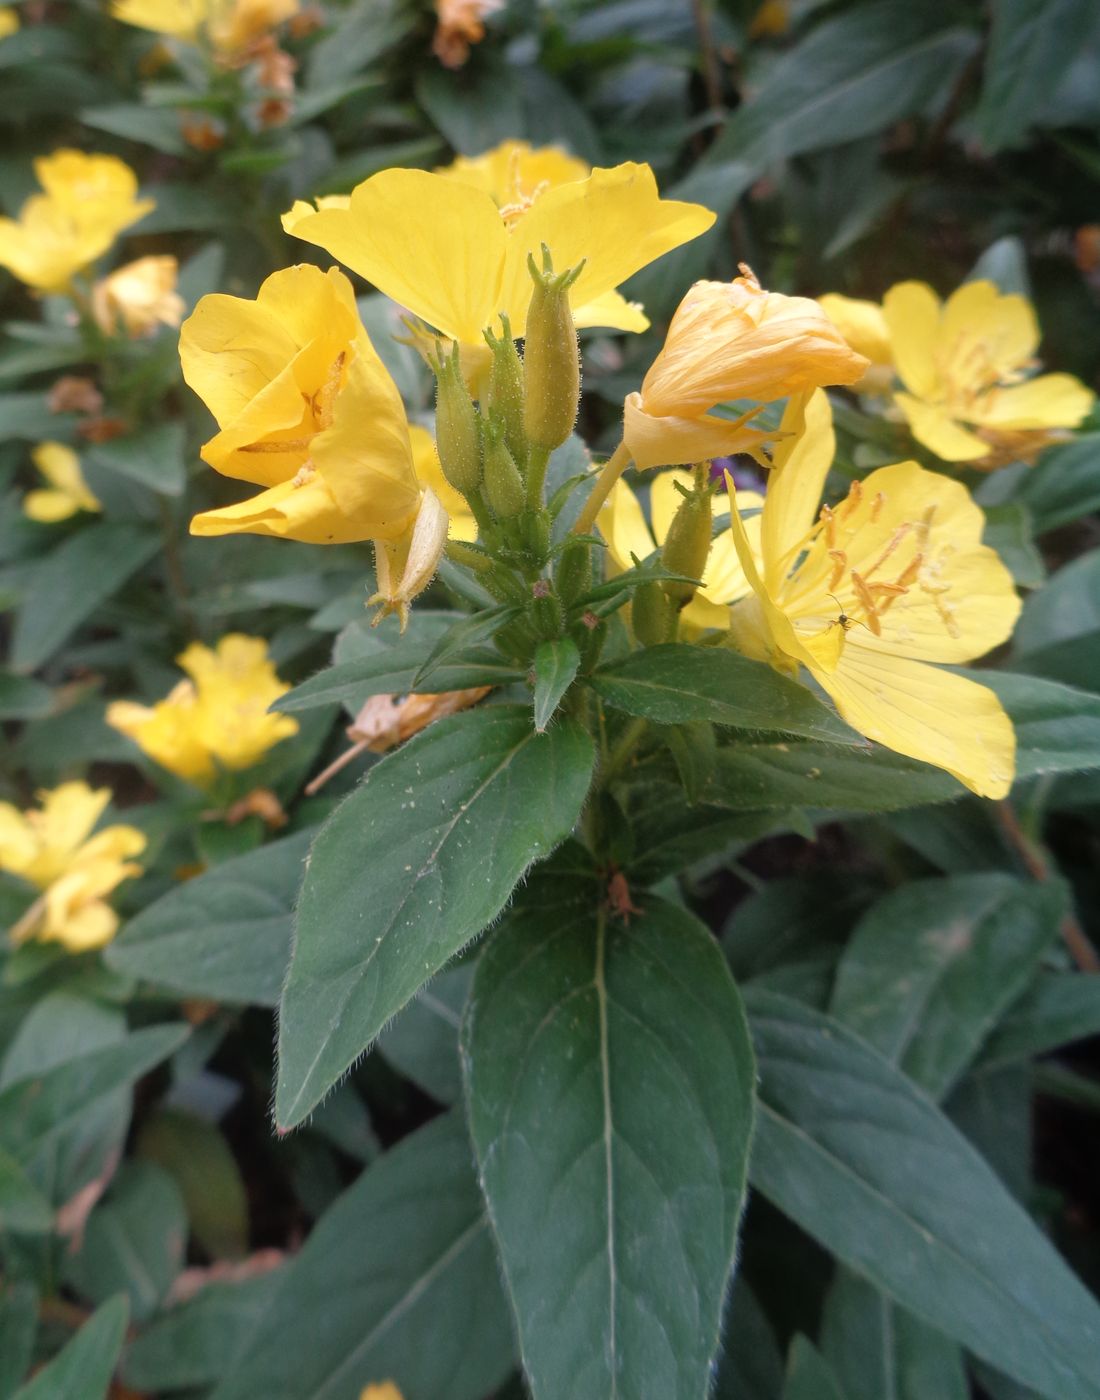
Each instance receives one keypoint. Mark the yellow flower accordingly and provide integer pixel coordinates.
(460, 23)
(217, 719)
(9, 22)
(964, 365)
(230, 25)
(445, 251)
(386, 1390)
(140, 295)
(53, 848)
(870, 594)
(863, 326)
(67, 492)
(730, 340)
(623, 525)
(306, 409)
(88, 201)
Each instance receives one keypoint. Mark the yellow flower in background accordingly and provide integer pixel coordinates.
(139, 296)
(53, 848)
(870, 594)
(9, 22)
(730, 340)
(67, 492)
(623, 525)
(445, 251)
(87, 201)
(863, 325)
(306, 409)
(772, 20)
(460, 23)
(429, 471)
(217, 719)
(230, 25)
(964, 365)
(386, 1390)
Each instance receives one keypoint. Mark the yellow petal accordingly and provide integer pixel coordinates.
(984, 334)
(178, 19)
(17, 842)
(623, 525)
(614, 221)
(514, 172)
(308, 513)
(613, 311)
(912, 311)
(862, 324)
(166, 732)
(655, 441)
(429, 472)
(937, 430)
(800, 463)
(68, 814)
(1048, 401)
(48, 507)
(925, 713)
(434, 245)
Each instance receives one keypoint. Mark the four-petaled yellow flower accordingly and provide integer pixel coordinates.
(139, 296)
(216, 720)
(445, 251)
(87, 202)
(53, 848)
(67, 492)
(964, 365)
(229, 25)
(623, 525)
(869, 594)
(863, 325)
(730, 340)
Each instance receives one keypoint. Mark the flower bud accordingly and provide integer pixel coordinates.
(653, 615)
(456, 425)
(687, 543)
(547, 613)
(405, 566)
(574, 571)
(504, 490)
(504, 397)
(551, 359)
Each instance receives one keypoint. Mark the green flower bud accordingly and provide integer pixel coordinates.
(456, 425)
(547, 613)
(589, 635)
(504, 399)
(574, 572)
(687, 544)
(653, 614)
(503, 485)
(551, 359)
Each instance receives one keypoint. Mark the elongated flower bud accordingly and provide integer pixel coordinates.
(653, 615)
(574, 572)
(456, 425)
(504, 398)
(551, 359)
(687, 544)
(504, 489)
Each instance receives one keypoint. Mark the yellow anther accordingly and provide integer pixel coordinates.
(840, 563)
(863, 593)
(877, 505)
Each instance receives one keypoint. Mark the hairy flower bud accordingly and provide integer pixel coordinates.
(456, 425)
(504, 397)
(551, 359)
(504, 490)
(687, 543)
(574, 571)
(653, 615)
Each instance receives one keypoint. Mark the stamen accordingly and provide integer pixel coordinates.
(283, 445)
(854, 498)
(877, 505)
(326, 395)
(828, 519)
(896, 539)
(863, 593)
(305, 473)
(840, 564)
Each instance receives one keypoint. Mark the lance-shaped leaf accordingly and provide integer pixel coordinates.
(556, 664)
(83, 1368)
(398, 1281)
(856, 1154)
(415, 863)
(22, 1206)
(609, 1080)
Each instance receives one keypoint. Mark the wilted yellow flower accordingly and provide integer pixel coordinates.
(88, 201)
(140, 295)
(306, 409)
(623, 525)
(67, 492)
(9, 22)
(863, 325)
(870, 594)
(54, 849)
(217, 719)
(446, 252)
(230, 25)
(460, 23)
(730, 340)
(965, 364)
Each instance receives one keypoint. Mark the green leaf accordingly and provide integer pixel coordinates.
(878, 1349)
(415, 863)
(39, 1108)
(1057, 1009)
(750, 1367)
(1058, 634)
(225, 934)
(23, 698)
(422, 1041)
(399, 1278)
(609, 1081)
(1008, 530)
(460, 637)
(71, 582)
(1064, 485)
(393, 672)
(931, 968)
(1031, 40)
(22, 1206)
(18, 1322)
(155, 457)
(858, 1157)
(809, 1375)
(134, 121)
(676, 683)
(82, 1370)
(29, 416)
(556, 666)
(133, 1242)
(197, 1157)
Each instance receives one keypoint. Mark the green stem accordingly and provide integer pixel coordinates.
(623, 750)
(538, 459)
(613, 468)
